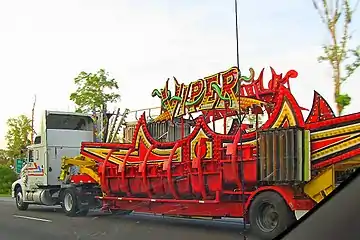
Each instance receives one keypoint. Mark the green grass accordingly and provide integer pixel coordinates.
(5, 195)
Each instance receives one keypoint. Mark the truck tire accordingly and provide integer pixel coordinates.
(269, 215)
(70, 204)
(19, 199)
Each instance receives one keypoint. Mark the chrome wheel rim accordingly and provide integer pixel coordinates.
(19, 198)
(68, 202)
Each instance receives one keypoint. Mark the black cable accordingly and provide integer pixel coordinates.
(240, 121)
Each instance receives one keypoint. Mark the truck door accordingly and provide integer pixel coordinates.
(53, 165)
(35, 168)
(55, 154)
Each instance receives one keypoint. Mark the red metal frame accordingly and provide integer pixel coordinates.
(82, 178)
(122, 168)
(167, 167)
(160, 177)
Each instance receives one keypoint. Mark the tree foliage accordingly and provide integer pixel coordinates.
(337, 16)
(7, 177)
(94, 91)
(18, 136)
(4, 157)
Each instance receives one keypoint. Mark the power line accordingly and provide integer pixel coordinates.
(237, 36)
(240, 119)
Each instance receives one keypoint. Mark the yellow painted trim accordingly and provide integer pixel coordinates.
(336, 131)
(201, 134)
(336, 148)
(285, 113)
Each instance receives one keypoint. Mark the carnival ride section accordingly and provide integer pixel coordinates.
(334, 140)
(205, 165)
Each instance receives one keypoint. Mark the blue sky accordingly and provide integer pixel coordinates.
(45, 44)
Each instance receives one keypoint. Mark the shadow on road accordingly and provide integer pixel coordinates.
(45, 209)
(215, 226)
(178, 223)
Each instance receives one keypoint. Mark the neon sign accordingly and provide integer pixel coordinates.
(218, 91)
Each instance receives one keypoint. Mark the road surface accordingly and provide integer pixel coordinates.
(40, 223)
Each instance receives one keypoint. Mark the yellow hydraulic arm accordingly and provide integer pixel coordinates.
(86, 166)
(324, 183)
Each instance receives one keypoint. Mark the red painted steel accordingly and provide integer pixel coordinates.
(200, 173)
(82, 178)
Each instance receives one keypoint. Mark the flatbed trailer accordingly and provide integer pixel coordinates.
(269, 174)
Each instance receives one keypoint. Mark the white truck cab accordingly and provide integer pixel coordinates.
(61, 135)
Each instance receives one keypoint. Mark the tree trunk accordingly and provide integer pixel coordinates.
(337, 75)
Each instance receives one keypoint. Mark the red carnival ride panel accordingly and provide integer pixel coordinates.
(204, 166)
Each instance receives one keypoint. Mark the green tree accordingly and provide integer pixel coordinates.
(337, 16)
(4, 157)
(7, 177)
(18, 136)
(94, 91)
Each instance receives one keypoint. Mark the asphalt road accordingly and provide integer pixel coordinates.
(42, 223)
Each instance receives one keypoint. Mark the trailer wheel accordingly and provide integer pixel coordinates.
(20, 204)
(269, 215)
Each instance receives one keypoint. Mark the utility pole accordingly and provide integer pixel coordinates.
(32, 120)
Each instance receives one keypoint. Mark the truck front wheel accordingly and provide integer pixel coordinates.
(19, 198)
(269, 215)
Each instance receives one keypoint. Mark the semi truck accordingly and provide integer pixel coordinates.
(179, 163)
(60, 135)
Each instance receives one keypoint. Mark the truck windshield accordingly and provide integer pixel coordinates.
(69, 122)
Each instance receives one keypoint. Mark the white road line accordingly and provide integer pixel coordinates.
(32, 218)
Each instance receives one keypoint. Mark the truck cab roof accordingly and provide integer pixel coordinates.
(66, 113)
